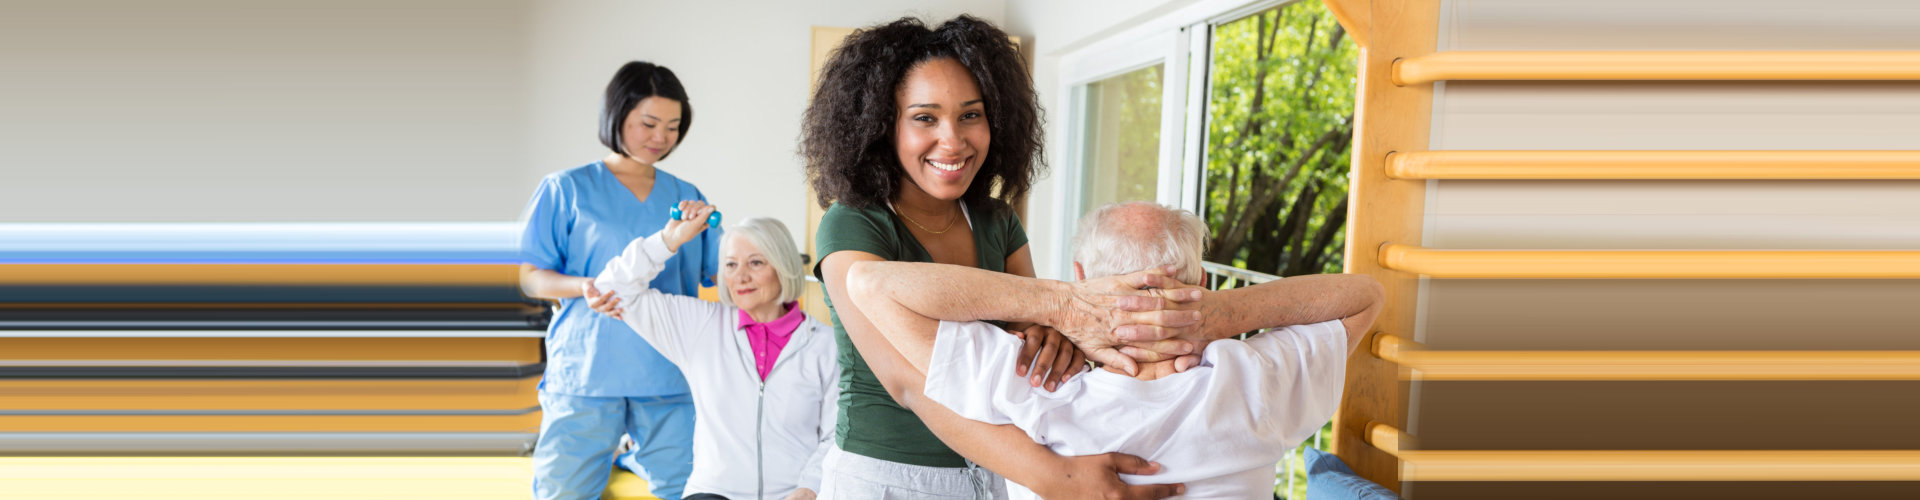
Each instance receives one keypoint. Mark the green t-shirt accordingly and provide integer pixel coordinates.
(871, 423)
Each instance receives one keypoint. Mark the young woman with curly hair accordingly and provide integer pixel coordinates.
(920, 139)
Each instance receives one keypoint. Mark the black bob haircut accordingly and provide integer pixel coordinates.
(634, 82)
(847, 133)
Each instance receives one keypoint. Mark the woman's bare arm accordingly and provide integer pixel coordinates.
(549, 284)
(1004, 449)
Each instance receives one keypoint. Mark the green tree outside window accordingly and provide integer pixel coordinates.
(1280, 115)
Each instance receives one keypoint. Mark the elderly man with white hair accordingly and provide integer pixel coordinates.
(1214, 425)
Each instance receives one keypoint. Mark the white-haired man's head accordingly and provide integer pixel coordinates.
(1120, 238)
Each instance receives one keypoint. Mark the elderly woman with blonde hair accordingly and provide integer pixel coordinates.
(764, 376)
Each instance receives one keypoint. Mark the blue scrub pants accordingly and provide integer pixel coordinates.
(578, 435)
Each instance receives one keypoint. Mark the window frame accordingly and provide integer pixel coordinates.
(1178, 40)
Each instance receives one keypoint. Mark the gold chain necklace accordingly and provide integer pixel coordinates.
(950, 219)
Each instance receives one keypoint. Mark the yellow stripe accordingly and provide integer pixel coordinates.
(260, 274)
(360, 478)
(272, 423)
(196, 478)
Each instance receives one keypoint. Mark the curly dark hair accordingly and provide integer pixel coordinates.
(848, 131)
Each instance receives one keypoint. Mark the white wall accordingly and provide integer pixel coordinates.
(431, 110)
(746, 72)
(414, 110)
(229, 110)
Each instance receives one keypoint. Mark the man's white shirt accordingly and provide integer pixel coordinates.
(1219, 427)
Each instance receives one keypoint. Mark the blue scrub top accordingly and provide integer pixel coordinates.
(579, 220)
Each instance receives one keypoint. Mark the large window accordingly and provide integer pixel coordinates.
(1279, 129)
(1239, 110)
(1126, 109)
(1122, 122)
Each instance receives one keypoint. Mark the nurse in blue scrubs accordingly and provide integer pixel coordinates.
(601, 379)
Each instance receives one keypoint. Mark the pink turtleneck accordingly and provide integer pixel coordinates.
(769, 338)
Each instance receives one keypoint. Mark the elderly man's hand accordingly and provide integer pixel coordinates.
(1185, 345)
(1117, 319)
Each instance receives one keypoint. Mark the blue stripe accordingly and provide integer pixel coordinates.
(255, 243)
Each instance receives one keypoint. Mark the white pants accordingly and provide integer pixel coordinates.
(850, 476)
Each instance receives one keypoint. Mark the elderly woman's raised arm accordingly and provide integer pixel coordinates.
(664, 320)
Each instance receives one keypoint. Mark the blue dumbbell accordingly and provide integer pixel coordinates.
(712, 220)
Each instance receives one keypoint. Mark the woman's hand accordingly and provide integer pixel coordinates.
(605, 303)
(800, 494)
(1098, 477)
(693, 220)
(1058, 360)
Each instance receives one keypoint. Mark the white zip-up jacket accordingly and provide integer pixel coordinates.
(750, 439)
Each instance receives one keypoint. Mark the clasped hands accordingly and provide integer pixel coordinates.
(1119, 321)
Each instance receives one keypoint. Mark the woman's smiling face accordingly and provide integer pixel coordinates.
(941, 134)
(651, 129)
